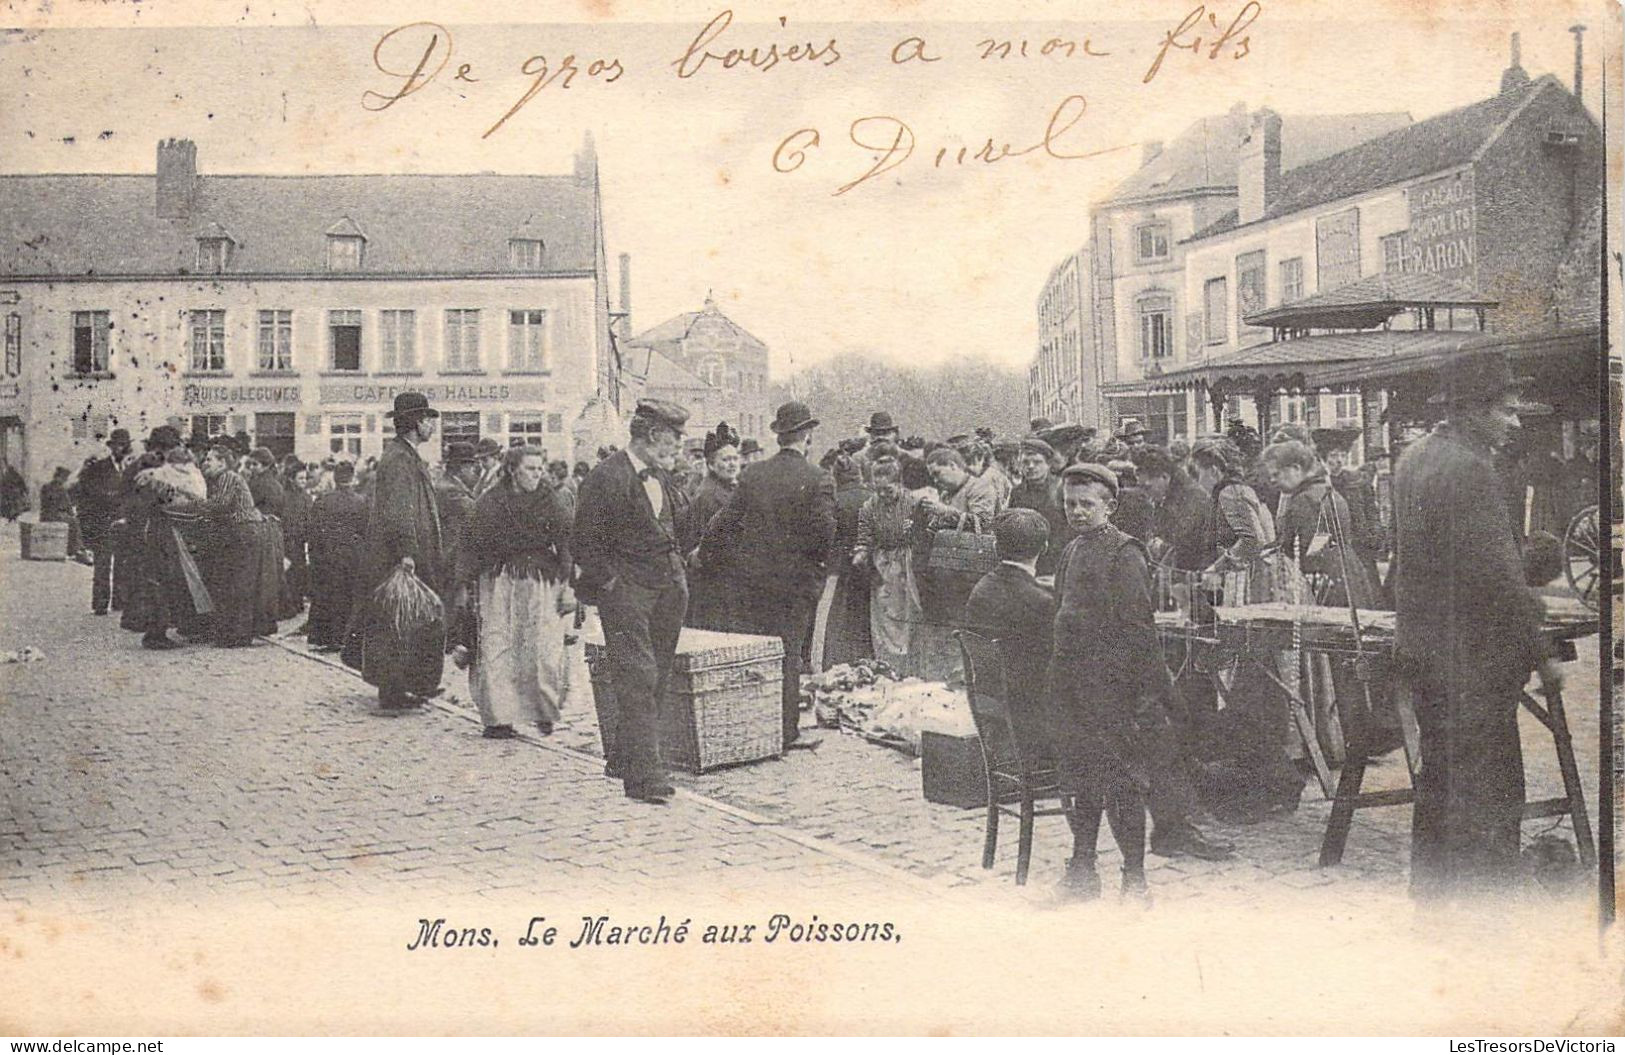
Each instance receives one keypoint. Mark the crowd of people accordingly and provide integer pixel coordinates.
(217, 540)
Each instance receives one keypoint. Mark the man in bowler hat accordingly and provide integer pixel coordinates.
(1469, 631)
(779, 528)
(100, 493)
(403, 527)
(632, 531)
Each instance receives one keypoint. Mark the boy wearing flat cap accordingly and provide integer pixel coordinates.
(632, 531)
(1110, 685)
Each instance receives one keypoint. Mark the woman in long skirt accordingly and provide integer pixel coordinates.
(884, 544)
(231, 568)
(514, 571)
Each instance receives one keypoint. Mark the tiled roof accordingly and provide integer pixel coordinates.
(675, 330)
(1304, 355)
(1376, 297)
(1204, 155)
(1561, 349)
(1440, 142)
(108, 224)
(663, 373)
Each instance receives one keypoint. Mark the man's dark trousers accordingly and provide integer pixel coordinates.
(1466, 824)
(641, 625)
(790, 619)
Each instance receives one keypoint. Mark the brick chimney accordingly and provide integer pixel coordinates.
(587, 161)
(1258, 166)
(626, 293)
(177, 178)
(1514, 78)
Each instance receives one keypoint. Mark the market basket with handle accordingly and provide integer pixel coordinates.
(955, 560)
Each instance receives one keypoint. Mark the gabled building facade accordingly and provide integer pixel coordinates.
(721, 355)
(295, 307)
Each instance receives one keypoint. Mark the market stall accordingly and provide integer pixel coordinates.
(1256, 634)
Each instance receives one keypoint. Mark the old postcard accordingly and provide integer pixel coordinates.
(807, 518)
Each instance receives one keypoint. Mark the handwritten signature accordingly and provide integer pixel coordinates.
(894, 142)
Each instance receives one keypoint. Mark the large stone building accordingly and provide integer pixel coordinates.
(295, 307)
(710, 364)
(1473, 222)
(1115, 311)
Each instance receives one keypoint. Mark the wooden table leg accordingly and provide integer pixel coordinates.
(1306, 730)
(1555, 719)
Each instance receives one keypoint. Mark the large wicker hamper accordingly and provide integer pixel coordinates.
(723, 703)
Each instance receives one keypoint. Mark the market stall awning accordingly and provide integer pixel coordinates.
(1526, 353)
(1297, 364)
(1370, 301)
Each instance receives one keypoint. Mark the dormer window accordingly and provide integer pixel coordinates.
(214, 245)
(344, 254)
(346, 246)
(525, 254)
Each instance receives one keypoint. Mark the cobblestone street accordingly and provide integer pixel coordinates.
(267, 770)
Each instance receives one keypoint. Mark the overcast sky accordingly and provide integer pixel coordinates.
(919, 264)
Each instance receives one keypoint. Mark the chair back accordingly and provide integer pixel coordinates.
(985, 686)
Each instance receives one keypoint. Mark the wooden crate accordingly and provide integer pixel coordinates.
(723, 703)
(951, 770)
(46, 540)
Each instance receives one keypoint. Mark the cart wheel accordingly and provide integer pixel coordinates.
(1582, 560)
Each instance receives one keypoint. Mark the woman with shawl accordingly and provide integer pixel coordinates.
(514, 571)
(232, 567)
(711, 601)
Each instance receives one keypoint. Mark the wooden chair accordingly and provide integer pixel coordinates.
(1011, 777)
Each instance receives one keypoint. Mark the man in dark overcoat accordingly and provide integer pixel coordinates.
(338, 523)
(632, 531)
(402, 525)
(100, 493)
(1469, 632)
(454, 495)
(780, 527)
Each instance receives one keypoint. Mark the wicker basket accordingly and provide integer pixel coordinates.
(44, 540)
(723, 703)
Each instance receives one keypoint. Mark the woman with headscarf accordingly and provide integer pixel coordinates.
(514, 571)
(885, 545)
(711, 600)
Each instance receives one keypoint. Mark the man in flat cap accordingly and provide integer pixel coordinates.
(1039, 489)
(1469, 633)
(632, 531)
(100, 492)
(780, 527)
(403, 527)
(1132, 433)
(1112, 689)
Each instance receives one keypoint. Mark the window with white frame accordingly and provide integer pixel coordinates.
(344, 252)
(526, 428)
(525, 254)
(208, 340)
(527, 339)
(91, 330)
(344, 434)
(1292, 410)
(1346, 408)
(1216, 308)
(276, 341)
(344, 340)
(398, 339)
(1156, 326)
(1291, 280)
(461, 348)
(1151, 242)
(14, 345)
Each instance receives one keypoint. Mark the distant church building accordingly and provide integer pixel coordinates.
(709, 363)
